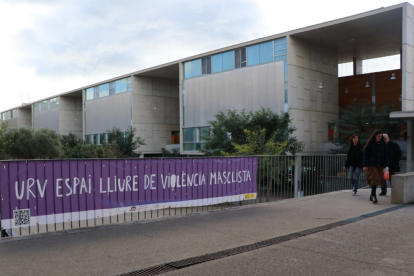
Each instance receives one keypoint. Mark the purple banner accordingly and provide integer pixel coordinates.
(44, 192)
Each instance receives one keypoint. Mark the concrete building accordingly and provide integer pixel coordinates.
(295, 71)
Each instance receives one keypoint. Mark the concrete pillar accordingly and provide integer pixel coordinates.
(357, 65)
(407, 58)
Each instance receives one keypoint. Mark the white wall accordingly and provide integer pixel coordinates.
(247, 88)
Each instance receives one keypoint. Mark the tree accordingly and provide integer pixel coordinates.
(73, 147)
(126, 144)
(175, 152)
(258, 144)
(4, 143)
(228, 129)
(30, 144)
(362, 119)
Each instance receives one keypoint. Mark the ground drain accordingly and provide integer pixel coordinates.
(155, 270)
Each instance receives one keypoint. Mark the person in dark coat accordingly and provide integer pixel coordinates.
(354, 162)
(395, 155)
(375, 162)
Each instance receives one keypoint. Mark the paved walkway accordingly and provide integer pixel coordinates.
(381, 245)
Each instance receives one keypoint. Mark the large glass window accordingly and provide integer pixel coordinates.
(36, 108)
(87, 139)
(204, 133)
(266, 52)
(280, 49)
(54, 103)
(89, 94)
(192, 68)
(194, 138)
(222, 62)
(190, 134)
(253, 55)
(121, 85)
(103, 90)
(109, 89)
(44, 106)
(129, 84)
(102, 138)
(8, 115)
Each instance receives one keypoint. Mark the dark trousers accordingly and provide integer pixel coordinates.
(4, 233)
(384, 184)
(373, 190)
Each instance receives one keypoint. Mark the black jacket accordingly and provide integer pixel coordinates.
(376, 154)
(395, 155)
(354, 157)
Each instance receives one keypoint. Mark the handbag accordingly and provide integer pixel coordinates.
(386, 175)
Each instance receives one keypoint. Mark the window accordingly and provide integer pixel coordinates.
(103, 90)
(206, 65)
(286, 82)
(194, 138)
(87, 139)
(240, 58)
(253, 55)
(266, 52)
(44, 106)
(120, 86)
(204, 133)
(54, 103)
(13, 113)
(192, 68)
(109, 89)
(175, 137)
(7, 115)
(94, 139)
(190, 135)
(96, 92)
(280, 49)
(223, 62)
(102, 138)
(331, 132)
(129, 84)
(36, 108)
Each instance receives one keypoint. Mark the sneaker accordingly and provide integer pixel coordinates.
(382, 194)
(353, 193)
(374, 200)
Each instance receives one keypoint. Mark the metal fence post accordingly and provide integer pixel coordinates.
(298, 170)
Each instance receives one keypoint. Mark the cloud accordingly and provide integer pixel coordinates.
(106, 38)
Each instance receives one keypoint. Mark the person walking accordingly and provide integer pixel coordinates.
(395, 154)
(375, 162)
(354, 162)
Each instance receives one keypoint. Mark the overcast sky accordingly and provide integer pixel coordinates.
(53, 46)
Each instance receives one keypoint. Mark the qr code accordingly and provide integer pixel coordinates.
(21, 217)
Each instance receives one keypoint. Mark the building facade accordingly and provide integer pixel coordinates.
(295, 71)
